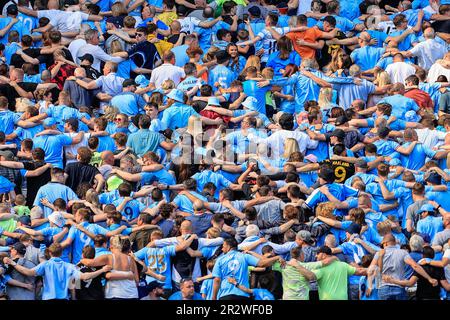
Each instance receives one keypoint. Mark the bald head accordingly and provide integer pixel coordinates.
(107, 157)
(186, 227)
(389, 239)
(175, 26)
(364, 37)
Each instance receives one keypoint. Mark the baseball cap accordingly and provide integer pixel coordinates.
(153, 285)
(338, 133)
(8, 155)
(326, 250)
(254, 11)
(20, 248)
(57, 218)
(433, 178)
(129, 82)
(304, 235)
(88, 57)
(142, 81)
(341, 120)
(426, 208)
(49, 122)
(176, 95)
(250, 103)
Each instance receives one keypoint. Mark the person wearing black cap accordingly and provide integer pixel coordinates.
(156, 291)
(86, 62)
(13, 291)
(128, 102)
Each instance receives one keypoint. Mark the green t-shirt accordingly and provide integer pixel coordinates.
(333, 280)
(8, 225)
(22, 210)
(296, 286)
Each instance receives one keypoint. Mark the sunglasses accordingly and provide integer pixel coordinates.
(118, 119)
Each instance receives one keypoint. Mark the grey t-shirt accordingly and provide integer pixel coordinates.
(394, 263)
(411, 212)
(441, 238)
(17, 293)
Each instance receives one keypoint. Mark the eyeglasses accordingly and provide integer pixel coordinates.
(118, 119)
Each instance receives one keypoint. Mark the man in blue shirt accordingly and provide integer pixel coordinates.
(56, 273)
(428, 223)
(234, 264)
(129, 102)
(366, 56)
(187, 291)
(221, 76)
(178, 113)
(53, 144)
(144, 140)
(53, 190)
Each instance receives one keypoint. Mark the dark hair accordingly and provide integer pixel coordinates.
(232, 243)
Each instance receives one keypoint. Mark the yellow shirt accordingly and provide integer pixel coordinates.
(168, 17)
(162, 45)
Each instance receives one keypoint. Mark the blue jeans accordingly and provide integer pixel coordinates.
(392, 293)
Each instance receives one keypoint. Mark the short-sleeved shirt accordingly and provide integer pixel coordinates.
(333, 280)
(311, 35)
(57, 275)
(233, 264)
(158, 260)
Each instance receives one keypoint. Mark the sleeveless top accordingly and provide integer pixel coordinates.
(123, 289)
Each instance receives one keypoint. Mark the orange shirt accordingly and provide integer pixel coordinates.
(310, 35)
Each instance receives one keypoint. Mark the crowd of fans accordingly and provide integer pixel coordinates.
(229, 150)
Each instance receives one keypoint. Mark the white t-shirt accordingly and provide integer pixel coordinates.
(165, 72)
(188, 24)
(64, 21)
(269, 43)
(73, 148)
(303, 6)
(430, 138)
(399, 71)
(75, 45)
(428, 52)
(435, 71)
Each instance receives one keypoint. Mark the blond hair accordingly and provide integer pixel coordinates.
(325, 97)
(325, 209)
(382, 79)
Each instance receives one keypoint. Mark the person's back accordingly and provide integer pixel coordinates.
(333, 280)
(57, 275)
(121, 288)
(425, 290)
(53, 147)
(144, 141)
(78, 173)
(18, 293)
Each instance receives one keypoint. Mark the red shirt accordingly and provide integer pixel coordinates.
(422, 98)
